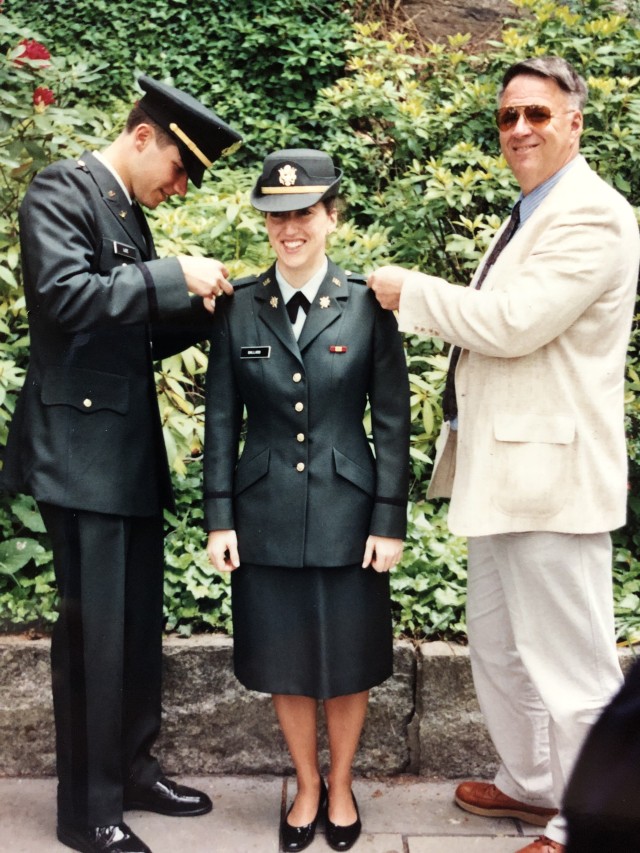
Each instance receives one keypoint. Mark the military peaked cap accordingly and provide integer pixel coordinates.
(295, 178)
(201, 136)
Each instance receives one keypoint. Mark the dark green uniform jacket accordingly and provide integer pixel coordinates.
(86, 432)
(307, 489)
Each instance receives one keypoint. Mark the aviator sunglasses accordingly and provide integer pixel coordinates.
(535, 115)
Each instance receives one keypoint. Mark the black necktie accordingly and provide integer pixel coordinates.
(298, 300)
(449, 403)
(142, 223)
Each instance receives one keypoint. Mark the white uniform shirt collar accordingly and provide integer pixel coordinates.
(310, 290)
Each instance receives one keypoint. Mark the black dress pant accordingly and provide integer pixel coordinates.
(106, 658)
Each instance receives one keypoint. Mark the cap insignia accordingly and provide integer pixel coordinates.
(273, 302)
(325, 302)
(288, 175)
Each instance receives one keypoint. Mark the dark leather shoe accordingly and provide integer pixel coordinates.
(343, 837)
(295, 838)
(167, 797)
(102, 839)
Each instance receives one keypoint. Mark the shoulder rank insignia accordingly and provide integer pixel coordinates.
(356, 278)
(247, 280)
(335, 280)
(266, 281)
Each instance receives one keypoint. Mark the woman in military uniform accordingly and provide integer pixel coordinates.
(310, 518)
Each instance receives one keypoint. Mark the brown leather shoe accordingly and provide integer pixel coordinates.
(485, 799)
(543, 845)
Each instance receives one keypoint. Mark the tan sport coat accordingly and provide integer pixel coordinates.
(540, 443)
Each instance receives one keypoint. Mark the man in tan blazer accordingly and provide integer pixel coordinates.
(533, 452)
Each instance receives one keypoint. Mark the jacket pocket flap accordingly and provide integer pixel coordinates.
(86, 390)
(251, 470)
(354, 473)
(540, 429)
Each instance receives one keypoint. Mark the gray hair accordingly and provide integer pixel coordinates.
(553, 68)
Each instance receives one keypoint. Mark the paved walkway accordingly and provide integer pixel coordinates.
(399, 815)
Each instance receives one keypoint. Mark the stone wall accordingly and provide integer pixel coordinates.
(424, 721)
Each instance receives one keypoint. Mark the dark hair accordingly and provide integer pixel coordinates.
(139, 116)
(331, 203)
(553, 68)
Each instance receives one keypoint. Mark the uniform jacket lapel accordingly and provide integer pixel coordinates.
(119, 206)
(327, 307)
(272, 311)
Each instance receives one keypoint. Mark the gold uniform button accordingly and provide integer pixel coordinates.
(300, 466)
(299, 407)
(297, 377)
(87, 403)
(300, 436)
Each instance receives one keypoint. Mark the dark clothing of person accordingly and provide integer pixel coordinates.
(319, 632)
(602, 800)
(86, 442)
(308, 489)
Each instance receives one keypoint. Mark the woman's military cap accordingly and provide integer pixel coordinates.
(201, 136)
(295, 178)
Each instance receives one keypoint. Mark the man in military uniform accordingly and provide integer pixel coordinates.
(86, 442)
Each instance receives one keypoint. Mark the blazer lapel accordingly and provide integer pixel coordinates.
(272, 312)
(327, 307)
(120, 207)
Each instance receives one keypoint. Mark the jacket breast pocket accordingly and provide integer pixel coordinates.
(250, 471)
(363, 478)
(533, 462)
(88, 391)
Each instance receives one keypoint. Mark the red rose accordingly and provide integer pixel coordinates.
(32, 49)
(42, 98)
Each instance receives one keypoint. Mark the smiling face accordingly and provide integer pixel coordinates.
(536, 153)
(299, 238)
(158, 172)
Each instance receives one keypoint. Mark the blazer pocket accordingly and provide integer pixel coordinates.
(534, 459)
(363, 478)
(88, 391)
(251, 470)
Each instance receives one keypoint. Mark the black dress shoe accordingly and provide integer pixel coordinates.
(102, 839)
(295, 838)
(343, 837)
(167, 797)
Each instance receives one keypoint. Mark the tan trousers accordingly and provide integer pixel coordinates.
(543, 655)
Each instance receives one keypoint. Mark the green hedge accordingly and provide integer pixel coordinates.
(425, 185)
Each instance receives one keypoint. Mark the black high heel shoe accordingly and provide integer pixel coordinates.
(343, 837)
(295, 838)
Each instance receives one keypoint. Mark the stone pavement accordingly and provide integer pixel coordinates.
(400, 814)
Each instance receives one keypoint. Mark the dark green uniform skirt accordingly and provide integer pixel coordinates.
(319, 632)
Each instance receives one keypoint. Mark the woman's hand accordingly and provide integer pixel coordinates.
(222, 549)
(382, 553)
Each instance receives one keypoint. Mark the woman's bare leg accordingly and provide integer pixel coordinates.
(297, 716)
(345, 717)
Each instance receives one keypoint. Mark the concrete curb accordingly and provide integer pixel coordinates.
(424, 721)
